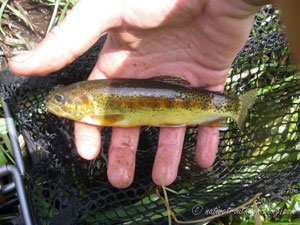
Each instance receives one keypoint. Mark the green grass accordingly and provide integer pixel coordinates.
(13, 39)
(274, 213)
(60, 8)
(6, 154)
(1, 14)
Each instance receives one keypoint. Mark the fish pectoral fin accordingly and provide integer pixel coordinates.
(103, 120)
(218, 123)
(172, 80)
(109, 119)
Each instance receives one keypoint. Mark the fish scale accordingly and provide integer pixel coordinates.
(158, 101)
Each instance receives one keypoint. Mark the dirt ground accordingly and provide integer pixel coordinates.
(24, 23)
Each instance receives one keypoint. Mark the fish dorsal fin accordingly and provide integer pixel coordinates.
(172, 80)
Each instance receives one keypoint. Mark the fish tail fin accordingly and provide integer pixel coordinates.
(247, 100)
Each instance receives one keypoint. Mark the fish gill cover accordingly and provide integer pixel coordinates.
(264, 157)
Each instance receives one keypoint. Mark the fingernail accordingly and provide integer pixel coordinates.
(22, 57)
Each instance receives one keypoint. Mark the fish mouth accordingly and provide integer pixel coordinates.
(54, 109)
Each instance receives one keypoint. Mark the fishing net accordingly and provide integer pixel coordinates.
(264, 158)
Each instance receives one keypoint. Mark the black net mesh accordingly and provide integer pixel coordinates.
(262, 158)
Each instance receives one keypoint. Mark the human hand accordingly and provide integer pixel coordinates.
(193, 39)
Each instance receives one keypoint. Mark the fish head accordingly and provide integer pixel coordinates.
(69, 103)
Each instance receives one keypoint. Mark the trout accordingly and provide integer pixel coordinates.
(158, 101)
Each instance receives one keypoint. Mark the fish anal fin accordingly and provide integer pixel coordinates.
(172, 80)
(218, 123)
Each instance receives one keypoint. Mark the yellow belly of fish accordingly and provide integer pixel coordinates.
(159, 118)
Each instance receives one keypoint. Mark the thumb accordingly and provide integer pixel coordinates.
(83, 26)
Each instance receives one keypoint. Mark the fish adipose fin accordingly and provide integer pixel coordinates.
(219, 123)
(247, 100)
(172, 80)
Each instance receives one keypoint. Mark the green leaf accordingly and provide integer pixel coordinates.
(287, 216)
(63, 12)
(3, 159)
(3, 127)
(3, 134)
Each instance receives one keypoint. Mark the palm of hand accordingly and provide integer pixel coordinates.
(194, 39)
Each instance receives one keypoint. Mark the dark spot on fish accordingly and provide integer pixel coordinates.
(232, 106)
(205, 105)
(187, 103)
(142, 102)
(152, 104)
(169, 104)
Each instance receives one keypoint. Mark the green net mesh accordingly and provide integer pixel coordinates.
(264, 158)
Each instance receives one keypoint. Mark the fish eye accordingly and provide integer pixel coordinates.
(58, 98)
